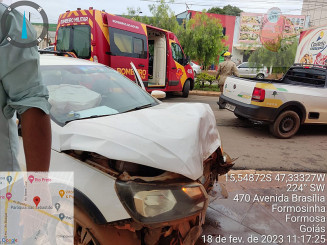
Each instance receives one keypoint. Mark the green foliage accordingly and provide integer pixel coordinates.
(134, 14)
(202, 39)
(280, 61)
(205, 77)
(227, 10)
(206, 87)
(162, 16)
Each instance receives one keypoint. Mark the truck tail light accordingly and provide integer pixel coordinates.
(258, 94)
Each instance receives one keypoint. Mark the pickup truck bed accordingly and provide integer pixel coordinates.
(299, 97)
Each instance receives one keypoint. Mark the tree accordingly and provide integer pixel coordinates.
(202, 39)
(134, 14)
(280, 61)
(162, 16)
(227, 10)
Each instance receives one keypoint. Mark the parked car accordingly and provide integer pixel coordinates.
(300, 97)
(196, 68)
(142, 168)
(246, 71)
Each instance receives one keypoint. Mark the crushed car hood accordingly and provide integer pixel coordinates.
(172, 137)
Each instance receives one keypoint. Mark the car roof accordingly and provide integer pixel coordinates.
(50, 59)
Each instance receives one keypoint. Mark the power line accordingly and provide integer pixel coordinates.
(213, 4)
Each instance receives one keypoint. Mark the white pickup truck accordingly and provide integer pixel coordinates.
(300, 97)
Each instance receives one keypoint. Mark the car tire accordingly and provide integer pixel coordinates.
(286, 125)
(186, 88)
(240, 117)
(260, 76)
(86, 232)
(82, 229)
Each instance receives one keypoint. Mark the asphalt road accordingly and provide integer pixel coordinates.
(256, 148)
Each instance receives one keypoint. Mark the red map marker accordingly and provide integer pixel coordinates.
(36, 200)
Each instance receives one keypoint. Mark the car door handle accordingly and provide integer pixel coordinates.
(174, 68)
(141, 65)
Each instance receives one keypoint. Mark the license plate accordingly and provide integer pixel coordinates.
(230, 107)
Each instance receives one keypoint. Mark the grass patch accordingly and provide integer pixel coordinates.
(206, 87)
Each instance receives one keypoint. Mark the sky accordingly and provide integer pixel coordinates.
(54, 8)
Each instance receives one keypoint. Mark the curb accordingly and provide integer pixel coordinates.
(205, 93)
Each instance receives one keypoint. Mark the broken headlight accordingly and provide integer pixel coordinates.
(156, 203)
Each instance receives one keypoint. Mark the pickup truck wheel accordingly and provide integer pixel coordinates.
(285, 125)
(260, 76)
(186, 89)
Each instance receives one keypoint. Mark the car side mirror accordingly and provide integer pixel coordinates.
(186, 60)
(158, 94)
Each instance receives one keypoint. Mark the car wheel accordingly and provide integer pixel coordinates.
(86, 232)
(240, 117)
(286, 125)
(260, 76)
(82, 229)
(186, 89)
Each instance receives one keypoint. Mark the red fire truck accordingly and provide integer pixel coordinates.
(116, 41)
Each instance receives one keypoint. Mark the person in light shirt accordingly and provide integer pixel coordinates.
(22, 91)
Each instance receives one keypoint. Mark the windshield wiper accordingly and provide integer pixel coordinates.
(140, 107)
(81, 118)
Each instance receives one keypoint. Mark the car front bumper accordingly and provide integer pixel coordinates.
(253, 112)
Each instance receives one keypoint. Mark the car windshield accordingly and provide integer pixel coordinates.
(87, 91)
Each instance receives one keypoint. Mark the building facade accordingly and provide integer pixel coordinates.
(254, 30)
(316, 10)
(250, 31)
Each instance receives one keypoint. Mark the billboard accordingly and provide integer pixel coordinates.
(256, 28)
(312, 47)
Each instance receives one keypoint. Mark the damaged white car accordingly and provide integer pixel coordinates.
(142, 168)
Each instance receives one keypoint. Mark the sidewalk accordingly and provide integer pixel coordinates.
(205, 93)
(287, 211)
